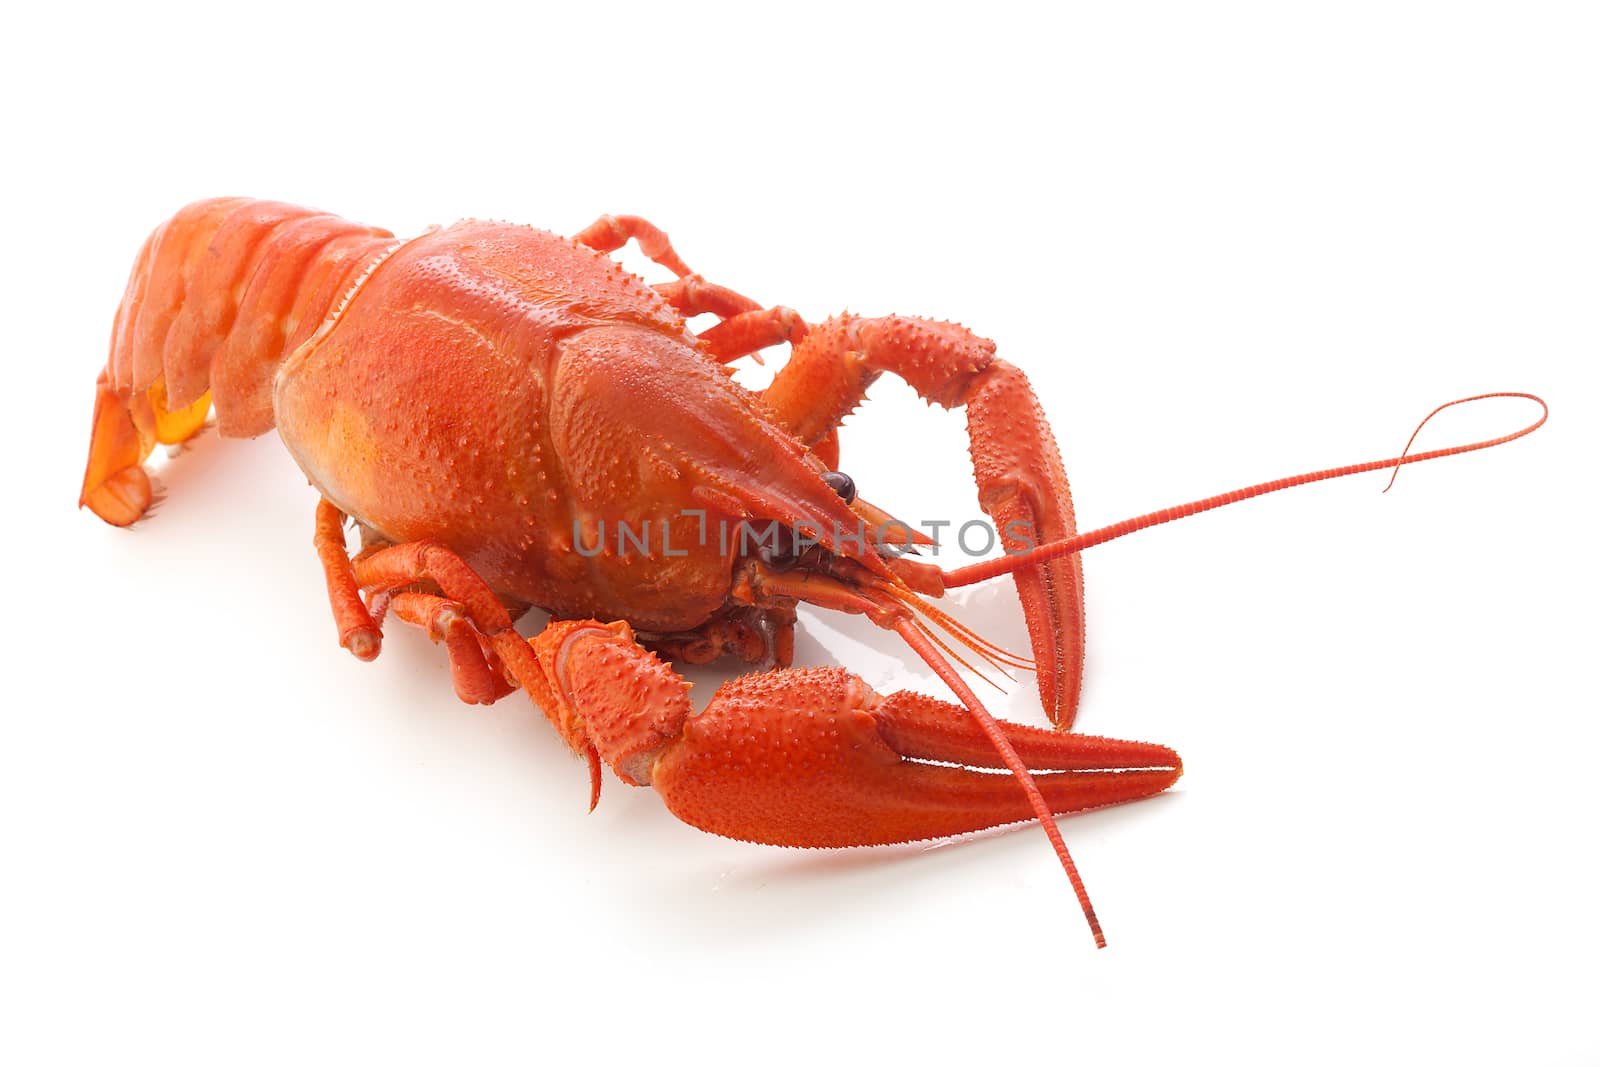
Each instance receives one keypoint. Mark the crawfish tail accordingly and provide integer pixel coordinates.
(220, 295)
(222, 292)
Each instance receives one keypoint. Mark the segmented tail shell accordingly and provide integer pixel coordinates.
(221, 294)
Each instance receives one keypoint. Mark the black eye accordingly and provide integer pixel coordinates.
(842, 484)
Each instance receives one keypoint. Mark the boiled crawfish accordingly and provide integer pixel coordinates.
(486, 400)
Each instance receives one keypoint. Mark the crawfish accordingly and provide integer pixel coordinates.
(486, 400)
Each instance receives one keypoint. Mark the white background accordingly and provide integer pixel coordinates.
(1228, 242)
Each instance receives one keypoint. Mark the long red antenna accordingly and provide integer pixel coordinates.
(978, 572)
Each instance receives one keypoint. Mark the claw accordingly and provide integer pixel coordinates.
(1023, 487)
(815, 758)
(1021, 482)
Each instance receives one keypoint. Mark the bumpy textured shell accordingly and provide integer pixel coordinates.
(503, 389)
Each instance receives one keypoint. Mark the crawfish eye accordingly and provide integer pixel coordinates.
(842, 484)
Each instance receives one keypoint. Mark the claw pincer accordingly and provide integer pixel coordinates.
(815, 758)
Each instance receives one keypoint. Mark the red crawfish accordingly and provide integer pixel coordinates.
(489, 402)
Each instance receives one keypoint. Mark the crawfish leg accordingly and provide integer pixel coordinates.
(472, 663)
(746, 327)
(475, 627)
(358, 630)
(1021, 482)
(428, 561)
(610, 232)
(692, 295)
(486, 655)
(747, 333)
(445, 620)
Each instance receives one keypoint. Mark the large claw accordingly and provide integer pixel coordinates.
(815, 758)
(1023, 487)
(1021, 482)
